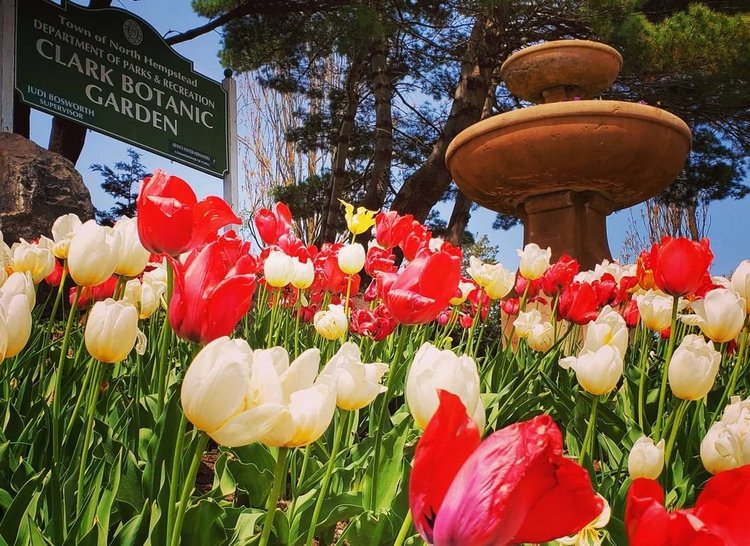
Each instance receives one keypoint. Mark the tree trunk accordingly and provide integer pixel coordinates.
(426, 186)
(67, 137)
(340, 154)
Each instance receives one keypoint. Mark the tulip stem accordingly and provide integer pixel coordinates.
(279, 475)
(588, 439)
(188, 487)
(340, 425)
(404, 531)
(71, 421)
(665, 371)
(58, 379)
(175, 478)
(55, 305)
(738, 365)
(92, 397)
(679, 415)
(643, 365)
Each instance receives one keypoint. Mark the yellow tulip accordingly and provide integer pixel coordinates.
(360, 221)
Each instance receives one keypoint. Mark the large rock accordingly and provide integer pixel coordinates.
(37, 186)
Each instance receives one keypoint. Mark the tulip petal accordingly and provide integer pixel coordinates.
(312, 410)
(448, 441)
(724, 504)
(209, 216)
(249, 426)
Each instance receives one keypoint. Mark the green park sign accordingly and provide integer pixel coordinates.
(111, 71)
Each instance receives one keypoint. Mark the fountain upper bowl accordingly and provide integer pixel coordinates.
(624, 151)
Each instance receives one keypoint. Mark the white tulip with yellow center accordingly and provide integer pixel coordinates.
(37, 260)
(111, 330)
(720, 314)
(609, 328)
(693, 368)
(133, 257)
(740, 282)
(304, 274)
(534, 261)
(598, 372)
(351, 258)
(655, 308)
(93, 254)
(646, 459)
(17, 314)
(21, 283)
(494, 279)
(433, 369)
(727, 443)
(331, 324)
(465, 288)
(592, 534)
(357, 384)
(63, 230)
(278, 269)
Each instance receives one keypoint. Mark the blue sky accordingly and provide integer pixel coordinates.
(729, 223)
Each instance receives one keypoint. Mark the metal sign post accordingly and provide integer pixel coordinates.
(7, 58)
(231, 187)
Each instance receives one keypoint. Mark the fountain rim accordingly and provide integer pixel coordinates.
(557, 110)
(558, 44)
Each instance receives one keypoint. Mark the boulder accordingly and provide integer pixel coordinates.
(37, 186)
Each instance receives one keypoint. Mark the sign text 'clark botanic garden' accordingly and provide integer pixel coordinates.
(111, 71)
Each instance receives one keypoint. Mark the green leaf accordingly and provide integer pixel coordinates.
(23, 504)
(203, 525)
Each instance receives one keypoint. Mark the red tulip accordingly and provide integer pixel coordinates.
(479, 300)
(379, 260)
(719, 517)
(213, 289)
(605, 289)
(525, 286)
(465, 320)
(680, 264)
(172, 221)
(55, 278)
(644, 271)
(377, 324)
(511, 306)
(424, 288)
(631, 314)
(559, 275)
(92, 294)
(391, 229)
(414, 240)
(514, 487)
(328, 274)
(579, 303)
(272, 224)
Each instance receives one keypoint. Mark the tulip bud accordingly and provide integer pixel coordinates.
(36, 259)
(542, 337)
(331, 324)
(693, 368)
(721, 449)
(609, 328)
(534, 261)
(93, 254)
(133, 257)
(741, 282)
(655, 308)
(278, 269)
(20, 283)
(720, 314)
(646, 459)
(357, 384)
(433, 369)
(17, 312)
(153, 288)
(304, 274)
(351, 258)
(597, 372)
(111, 330)
(63, 230)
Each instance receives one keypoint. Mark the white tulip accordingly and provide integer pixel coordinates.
(153, 288)
(20, 283)
(720, 314)
(111, 330)
(693, 368)
(37, 260)
(525, 322)
(496, 281)
(721, 449)
(542, 337)
(17, 312)
(357, 384)
(741, 282)
(534, 261)
(598, 372)
(304, 274)
(433, 369)
(63, 230)
(93, 254)
(609, 328)
(133, 257)
(278, 269)
(331, 324)
(351, 258)
(3, 333)
(465, 288)
(646, 459)
(655, 308)
(736, 417)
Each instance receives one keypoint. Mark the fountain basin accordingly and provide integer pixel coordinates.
(622, 151)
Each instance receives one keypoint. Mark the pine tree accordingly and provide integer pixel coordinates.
(121, 182)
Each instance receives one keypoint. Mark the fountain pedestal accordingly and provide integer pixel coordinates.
(564, 165)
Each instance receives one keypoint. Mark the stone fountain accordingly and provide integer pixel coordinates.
(568, 162)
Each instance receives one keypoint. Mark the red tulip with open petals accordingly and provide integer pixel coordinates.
(513, 488)
(719, 517)
(391, 229)
(272, 224)
(172, 221)
(579, 303)
(424, 288)
(680, 264)
(213, 289)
